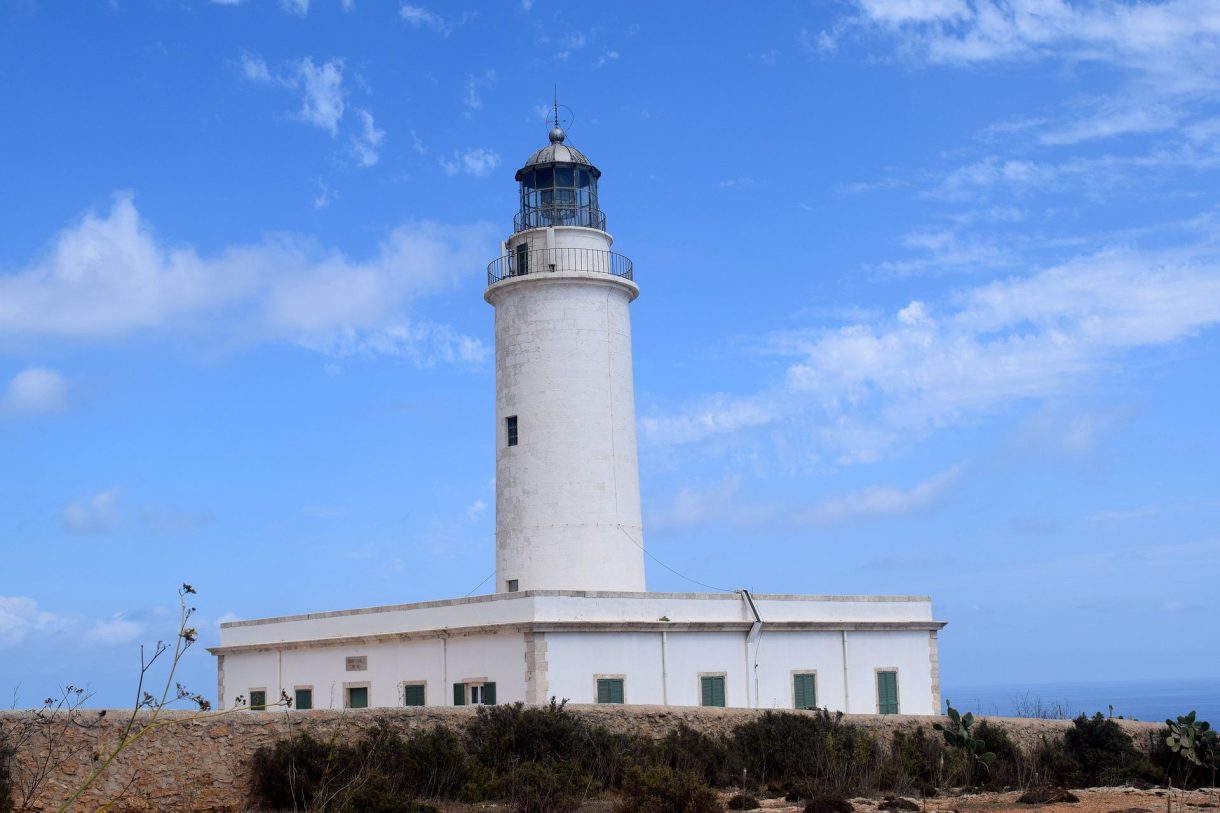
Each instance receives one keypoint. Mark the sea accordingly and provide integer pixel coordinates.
(1151, 700)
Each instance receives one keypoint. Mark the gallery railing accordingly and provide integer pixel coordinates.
(540, 217)
(550, 260)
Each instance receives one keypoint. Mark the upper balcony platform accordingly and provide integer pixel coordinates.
(553, 260)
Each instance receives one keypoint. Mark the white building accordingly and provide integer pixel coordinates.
(570, 617)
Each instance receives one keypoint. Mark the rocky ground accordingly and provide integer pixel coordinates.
(1095, 800)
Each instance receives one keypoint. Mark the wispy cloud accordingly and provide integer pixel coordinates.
(868, 388)
(476, 162)
(34, 391)
(475, 85)
(107, 275)
(366, 143)
(97, 513)
(298, 8)
(880, 501)
(421, 17)
(322, 100)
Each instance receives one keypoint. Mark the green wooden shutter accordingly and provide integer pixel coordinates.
(358, 697)
(805, 691)
(304, 699)
(459, 694)
(712, 691)
(412, 695)
(887, 692)
(610, 690)
(489, 694)
(258, 701)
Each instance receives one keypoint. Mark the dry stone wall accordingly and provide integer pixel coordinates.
(193, 763)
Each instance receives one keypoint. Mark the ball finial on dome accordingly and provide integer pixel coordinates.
(557, 135)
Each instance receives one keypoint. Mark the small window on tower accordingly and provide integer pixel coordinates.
(510, 424)
(513, 585)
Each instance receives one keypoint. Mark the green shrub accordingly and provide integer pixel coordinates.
(743, 801)
(1105, 753)
(685, 750)
(540, 787)
(818, 749)
(292, 774)
(1004, 771)
(507, 735)
(916, 759)
(663, 790)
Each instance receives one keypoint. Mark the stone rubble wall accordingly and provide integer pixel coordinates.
(203, 763)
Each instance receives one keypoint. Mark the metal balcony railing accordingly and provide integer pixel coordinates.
(540, 217)
(549, 260)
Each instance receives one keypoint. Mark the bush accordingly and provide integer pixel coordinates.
(1005, 770)
(1105, 753)
(685, 750)
(828, 803)
(817, 749)
(6, 778)
(507, 735)
(663, 790)
(538, 787)
(293, 774)
(743, 801)
(915, 759)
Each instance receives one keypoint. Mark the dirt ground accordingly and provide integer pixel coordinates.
(1098, 800)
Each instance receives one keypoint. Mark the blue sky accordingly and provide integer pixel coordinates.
(930, 293)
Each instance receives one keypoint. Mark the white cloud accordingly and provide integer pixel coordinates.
(115, 631)
(96, 514)
(365, 143)
(322, 104)
(475, 510)
(20, 618)
(254, 68)
(34, 391)
(420, 17)
(527, 4)
(477, 162)
(298, 8)
(867, 388)
(109, 276)
(880, 501)
(473, 98)
(227, 2)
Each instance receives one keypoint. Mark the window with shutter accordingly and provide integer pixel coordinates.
(804, 691)
(358, 697)
(711, 690)
(303, 700)
(459, 694)
(609, 690)
(489, 694)
(258, 700)
(887, 692)
(413, 695)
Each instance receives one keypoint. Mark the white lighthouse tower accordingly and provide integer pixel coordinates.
(567, 475)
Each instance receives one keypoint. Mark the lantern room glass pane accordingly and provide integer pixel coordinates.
(527, 180)
(545, 178)
(582, 179)
(565, 176)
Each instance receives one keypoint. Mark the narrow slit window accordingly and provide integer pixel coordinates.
(510, 424)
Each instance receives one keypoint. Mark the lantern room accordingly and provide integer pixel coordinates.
(558, 188)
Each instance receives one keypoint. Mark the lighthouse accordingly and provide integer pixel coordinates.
(567, 474)
(569, 617)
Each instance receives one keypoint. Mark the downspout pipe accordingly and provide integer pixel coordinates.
(754, 636)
